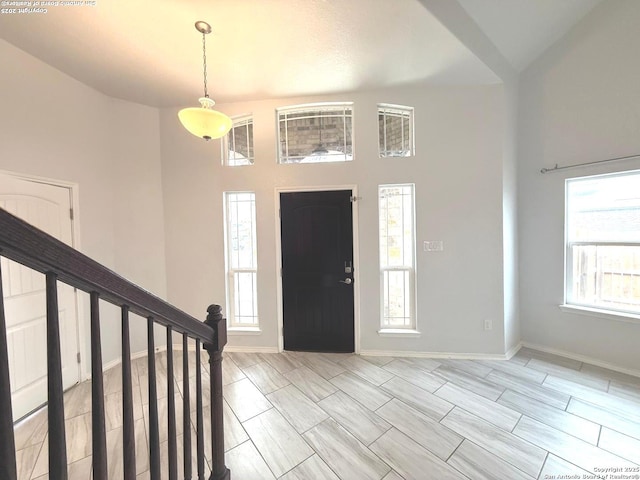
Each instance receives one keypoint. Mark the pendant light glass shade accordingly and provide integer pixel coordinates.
(204, 122)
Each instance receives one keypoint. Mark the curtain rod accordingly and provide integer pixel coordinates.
(556, 168)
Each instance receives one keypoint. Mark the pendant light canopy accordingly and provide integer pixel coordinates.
(204, 121)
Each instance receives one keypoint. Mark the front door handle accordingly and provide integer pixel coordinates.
(348, 281)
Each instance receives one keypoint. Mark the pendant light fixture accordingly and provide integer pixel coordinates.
(204, 121)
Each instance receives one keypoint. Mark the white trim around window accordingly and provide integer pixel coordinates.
(241, 261)
(397, 244)
(602, 245)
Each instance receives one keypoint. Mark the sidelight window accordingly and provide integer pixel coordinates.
(397, 256)
(241, 259)
(603, 242)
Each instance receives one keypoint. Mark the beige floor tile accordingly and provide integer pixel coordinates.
(344, 454)
(429, 404)
(554, 417)
(621, 445)
(245, 399)
(495, 413)
(430, 434)
(368, 371)
(508, 447)
(310, 383)
(360, 390)
(541, 393)
(415, 374)
(265, 377)
(470, 382)
(411, 460)
(297, 408)
(277, 441)
(313, 468)
(571, 449)
(361, 422)
(479, 464)
(245, 463)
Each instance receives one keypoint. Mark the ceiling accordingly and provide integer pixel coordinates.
(150, 53)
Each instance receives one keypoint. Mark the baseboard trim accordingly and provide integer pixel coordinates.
(582, 358)
(512, 351)
(448, 355)
(243, 349)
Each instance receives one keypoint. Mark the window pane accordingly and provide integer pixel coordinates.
(315, 134)
(397, 245)
(606, 276)
(604, 208)
(245, 298)
(397, 299)
(241, 258)
(239, 144)
(395, 131)
(603, 235)
(396, 226)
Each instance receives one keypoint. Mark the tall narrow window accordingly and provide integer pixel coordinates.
(395, 131)
(315, 133)
(397, 256)
(603, 242)
(241, 259)
(237, 149)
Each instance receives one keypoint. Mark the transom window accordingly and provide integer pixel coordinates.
(241, 258)
(237, 149)
(395, 131)
(397, 255)
(315, 133)
(603, 242)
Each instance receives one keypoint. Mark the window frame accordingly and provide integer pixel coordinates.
(232, 272)
(238, 122)
(383, 109)
(570, 303)
(314, 108)
(410, 269)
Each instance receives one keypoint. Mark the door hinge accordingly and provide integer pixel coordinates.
(354, 199)
(71, 213)
(78, 357)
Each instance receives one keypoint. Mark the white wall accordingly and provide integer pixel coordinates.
(579, 102)
(458, 172)
(55, 127)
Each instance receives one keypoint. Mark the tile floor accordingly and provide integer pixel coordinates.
(314, 416)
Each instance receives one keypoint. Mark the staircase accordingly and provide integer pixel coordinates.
(35, 249)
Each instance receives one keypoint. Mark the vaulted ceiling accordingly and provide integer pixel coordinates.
(150, 53)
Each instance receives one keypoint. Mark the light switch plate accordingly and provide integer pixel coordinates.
(433, 245)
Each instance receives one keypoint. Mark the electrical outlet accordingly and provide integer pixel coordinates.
(433, 245)
(488, 324)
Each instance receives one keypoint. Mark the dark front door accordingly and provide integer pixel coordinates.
(317, 271)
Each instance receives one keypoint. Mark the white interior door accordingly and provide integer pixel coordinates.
(48, 208)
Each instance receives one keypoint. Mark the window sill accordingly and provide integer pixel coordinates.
(601, 313)
(231, 331)
(399, 332)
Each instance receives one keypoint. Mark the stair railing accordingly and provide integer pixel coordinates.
(39, 251)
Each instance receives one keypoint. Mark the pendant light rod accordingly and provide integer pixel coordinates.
(204, 28)
(205, 122)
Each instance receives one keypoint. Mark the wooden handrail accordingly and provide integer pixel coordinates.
(29, 246)
(35, 249)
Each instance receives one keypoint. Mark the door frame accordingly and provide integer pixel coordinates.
(74, 197)
(356, 257)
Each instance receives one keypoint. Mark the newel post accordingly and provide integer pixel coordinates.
(215, 320)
